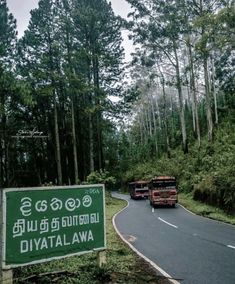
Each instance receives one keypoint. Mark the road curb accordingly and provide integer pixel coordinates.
(153, 264)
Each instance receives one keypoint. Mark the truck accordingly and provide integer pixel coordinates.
(138, 189)
(163, 191)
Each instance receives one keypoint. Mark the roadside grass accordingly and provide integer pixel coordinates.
(123, 265)
(205, 210)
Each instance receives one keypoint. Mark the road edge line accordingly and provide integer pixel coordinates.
(153, 264)
(188, 210)
(218, 221)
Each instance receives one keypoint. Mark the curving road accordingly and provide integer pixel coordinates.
(192, 249)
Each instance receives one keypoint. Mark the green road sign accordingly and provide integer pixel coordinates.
(41, 224)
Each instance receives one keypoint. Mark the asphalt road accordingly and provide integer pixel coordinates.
(190, 248)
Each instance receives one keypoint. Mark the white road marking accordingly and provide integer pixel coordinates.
(232, 247)
(167, 223)
(187, 210)
(152, 210)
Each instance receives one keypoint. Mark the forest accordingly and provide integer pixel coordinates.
(73, 111)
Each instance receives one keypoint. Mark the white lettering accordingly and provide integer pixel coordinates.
(90, 236)
(51, 238)
(37, 242)
(84, 219)
(58, 241)
(75, 220)
(65, 241)
(55, 224)
(67, 221)
(25, 208)
(75, 239)
(86, 201)
(44, 226)
(55, 241)
(83, 236)
(24, 246)
(94, 218)
(56, 204)
(19, 228)
(41, 206)
(44, 243)
(71, 204)
(32, 226)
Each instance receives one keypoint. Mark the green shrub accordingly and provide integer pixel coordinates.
(102, 177)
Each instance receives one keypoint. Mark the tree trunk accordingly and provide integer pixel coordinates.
(172, 116)
(159, 115)
(165, 119)
(4, 163)
(90, 120)
(214, 91)
(57, 140)
(193, 89)
(91, 145)
(149, 119)
(208, 100)
(181, 103)
(207, 82)
(74, 143)
(95, 63)
(141, 130)
(74, 139)
(154, 124)
(144, 126)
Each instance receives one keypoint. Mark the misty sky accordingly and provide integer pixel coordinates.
(21, 11)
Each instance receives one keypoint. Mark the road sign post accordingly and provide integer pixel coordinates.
(41, 224)
(101, 258)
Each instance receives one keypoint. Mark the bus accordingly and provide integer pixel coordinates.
(138, 189)
(163, 191)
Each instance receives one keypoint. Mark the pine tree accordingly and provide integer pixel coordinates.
(7, 51)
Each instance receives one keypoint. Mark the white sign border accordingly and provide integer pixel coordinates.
(5, 190)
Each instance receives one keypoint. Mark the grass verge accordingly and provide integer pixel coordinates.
(123, 265)
(205, 210)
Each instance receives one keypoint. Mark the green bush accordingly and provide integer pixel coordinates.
(205, 191)
(102, 177)
(217, 190)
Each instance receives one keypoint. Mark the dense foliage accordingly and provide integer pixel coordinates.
(176, 110)
(207, 174)
(67, 65)
(183, 73)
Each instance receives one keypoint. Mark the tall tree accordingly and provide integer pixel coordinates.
(41, 56)
(100, 32)
(7, 51)
(158, 27)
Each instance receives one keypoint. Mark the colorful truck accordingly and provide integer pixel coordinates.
(138, 189)
(163, 191)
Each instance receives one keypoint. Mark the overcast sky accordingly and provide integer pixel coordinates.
(21, 11)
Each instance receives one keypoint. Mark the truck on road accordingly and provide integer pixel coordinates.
(163, 191)
(138, 189)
